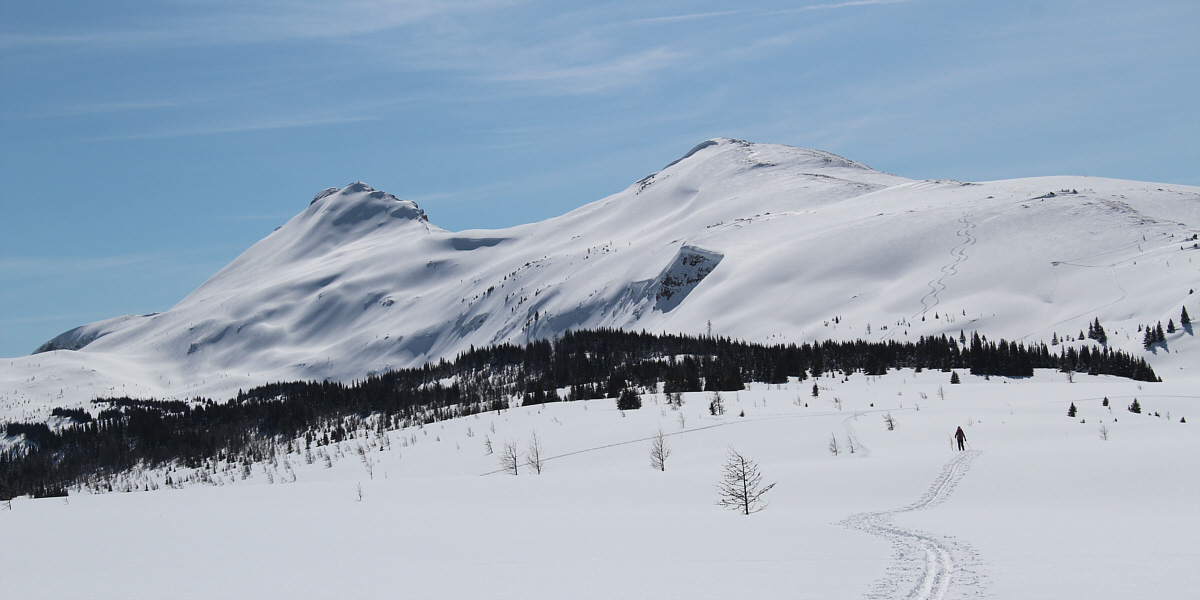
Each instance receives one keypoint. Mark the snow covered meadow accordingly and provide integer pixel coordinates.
(1039, 507)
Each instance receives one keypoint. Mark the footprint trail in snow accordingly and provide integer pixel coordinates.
(926, 566)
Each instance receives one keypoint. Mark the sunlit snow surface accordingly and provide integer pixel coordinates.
(361, 281)
(1044, 509)
(770, 244)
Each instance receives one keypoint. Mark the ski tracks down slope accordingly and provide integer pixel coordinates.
(959, 255)
(926, 566)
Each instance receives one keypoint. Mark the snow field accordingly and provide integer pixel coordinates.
(1046, 510)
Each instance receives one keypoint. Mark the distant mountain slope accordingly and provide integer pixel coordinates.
(768, 243)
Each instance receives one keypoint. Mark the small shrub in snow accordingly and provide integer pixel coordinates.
(834, 447)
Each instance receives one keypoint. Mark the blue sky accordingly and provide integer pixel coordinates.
(144, 144)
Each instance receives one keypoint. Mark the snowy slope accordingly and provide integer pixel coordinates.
(1041, 508)
(769, 243)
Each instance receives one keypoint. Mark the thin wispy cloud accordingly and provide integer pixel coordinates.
(593, 77)
(93, 108)
(243, 23)
(262, 123)
(45, 319)
(680, 18)
(835, 5)
(40, 266)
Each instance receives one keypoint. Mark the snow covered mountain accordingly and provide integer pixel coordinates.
(762, 242)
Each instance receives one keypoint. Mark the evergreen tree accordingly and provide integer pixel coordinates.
(1184, 319)
(954, 377)
(629, 400)
(1071, 411)
(816, 390)
(616, 385)
(1135, 407)
(1170, 326)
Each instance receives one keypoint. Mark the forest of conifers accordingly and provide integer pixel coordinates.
(118, 434)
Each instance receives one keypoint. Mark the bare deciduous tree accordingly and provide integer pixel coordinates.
(533, 456)
(487, 444)
(891, 421)
(834, 447)
(358, 495)
(675, 399)
(659, 451)
(510, 458)
(716, 404)
(741, 485)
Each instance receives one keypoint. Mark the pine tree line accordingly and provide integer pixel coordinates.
(128, 433)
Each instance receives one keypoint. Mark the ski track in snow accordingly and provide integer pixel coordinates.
(1111, 271)
(937, 286)
(860, 448)
(849, 431)
(926, 567)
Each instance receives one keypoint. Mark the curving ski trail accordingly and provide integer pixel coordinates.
(926, 567)
(959, 252)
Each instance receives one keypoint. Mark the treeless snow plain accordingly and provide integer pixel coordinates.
(1040, 507)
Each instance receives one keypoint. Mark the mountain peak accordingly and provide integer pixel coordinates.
(765, 155)
(359, 202)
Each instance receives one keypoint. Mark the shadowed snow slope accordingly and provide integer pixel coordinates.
(770, 243)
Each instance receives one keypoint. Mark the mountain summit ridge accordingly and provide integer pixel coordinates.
(769, 243)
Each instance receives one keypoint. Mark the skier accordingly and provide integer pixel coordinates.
(961, 437)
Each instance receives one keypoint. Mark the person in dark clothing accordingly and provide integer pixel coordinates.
(961, 437)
